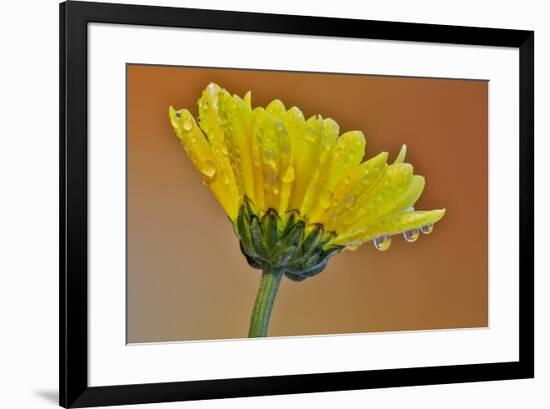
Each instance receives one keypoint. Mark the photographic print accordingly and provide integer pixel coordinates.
(277, 203)
(236, 223)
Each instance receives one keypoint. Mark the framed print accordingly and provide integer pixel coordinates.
(256, 204)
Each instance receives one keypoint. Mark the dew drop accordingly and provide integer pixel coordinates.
(350, 201)
(382, 243)
(270, 156)
(208, 169)
(187, 125)
(427, 228)
(289, 175)
(270, 181)
(411, 235)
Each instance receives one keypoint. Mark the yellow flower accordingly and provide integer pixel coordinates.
(297, 191)
(281, 161)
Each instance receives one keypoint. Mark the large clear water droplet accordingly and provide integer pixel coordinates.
(382, 243)
(289, 175)
(350, 201)
(427, 228)
(208, 169)
(271, 182)
(411, 235)
(270, 156)
(187, 125)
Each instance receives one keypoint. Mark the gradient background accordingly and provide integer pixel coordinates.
(187, 279)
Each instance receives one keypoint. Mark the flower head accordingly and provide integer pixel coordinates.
(296, 190)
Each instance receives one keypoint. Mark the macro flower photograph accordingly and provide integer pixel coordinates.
(275, 203)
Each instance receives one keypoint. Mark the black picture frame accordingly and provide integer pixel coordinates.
(73, 349)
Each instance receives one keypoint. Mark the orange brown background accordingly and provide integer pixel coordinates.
(187, 279)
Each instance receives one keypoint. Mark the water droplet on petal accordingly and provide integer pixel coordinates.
(382, 243)
(289, 175)
(350, 201)
(271, 182)
(187, 125)
(411, 235)
(427, 228)
(208, 169)
(270, 157)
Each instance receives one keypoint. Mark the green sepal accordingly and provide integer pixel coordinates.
(308, 263)
(250, 260)
(286, 244)
(270, 224)
(291, 220)
(258, 239)
(244, 233)
(295, 277)
(332, 250)
(316, 269)
(311, 241)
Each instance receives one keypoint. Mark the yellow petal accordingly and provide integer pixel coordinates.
(402, 153)
(271, 140)
(344, 158)
(352, 189)
(321, 134)
(236, 115)
(393, 224)
(294, 185)
(303, 143)
(277, 109)
(200, 152)
(286, 168)
(386, 197)
(211, 124)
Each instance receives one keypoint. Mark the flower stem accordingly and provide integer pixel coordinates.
(261, 314)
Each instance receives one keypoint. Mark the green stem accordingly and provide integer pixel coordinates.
(261, 314)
